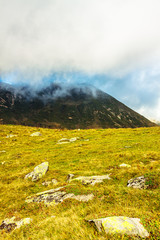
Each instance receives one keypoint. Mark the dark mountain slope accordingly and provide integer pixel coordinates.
(57, 107)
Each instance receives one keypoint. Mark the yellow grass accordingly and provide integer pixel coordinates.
(101, 155)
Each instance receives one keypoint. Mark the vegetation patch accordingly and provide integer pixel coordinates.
(101, 155)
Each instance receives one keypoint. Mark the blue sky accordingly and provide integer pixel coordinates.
(111, 44)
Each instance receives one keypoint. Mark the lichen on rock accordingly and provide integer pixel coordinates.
(121, 225)
(55, 196)
(38, 172)
(138, 182)
(10, 224)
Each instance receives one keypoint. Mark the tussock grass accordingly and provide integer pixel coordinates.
(102, 154)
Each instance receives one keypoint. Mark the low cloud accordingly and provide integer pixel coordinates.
(118, 40)
(104, 36)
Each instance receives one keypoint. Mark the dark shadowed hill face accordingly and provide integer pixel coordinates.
(57, 107)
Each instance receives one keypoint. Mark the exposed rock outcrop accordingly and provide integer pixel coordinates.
(55, 196)
(10, 224)
(90, 179)
(121, 225)
(138, 182)
(38, 172)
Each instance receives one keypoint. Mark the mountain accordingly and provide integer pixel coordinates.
(60, 107)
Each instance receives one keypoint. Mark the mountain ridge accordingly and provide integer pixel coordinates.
(58, 107)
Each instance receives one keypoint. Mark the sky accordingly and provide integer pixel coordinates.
(111, 44)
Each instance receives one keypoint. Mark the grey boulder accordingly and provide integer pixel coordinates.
(38, 172)
(55, 196)
(121, 225)
(138, 182)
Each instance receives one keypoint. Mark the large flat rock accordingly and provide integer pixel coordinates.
(10, 224)
(121, 225)
(90, 179)
(55, 196)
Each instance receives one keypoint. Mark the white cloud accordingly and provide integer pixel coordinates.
(151, 113)
(112, 37)
(105, 36)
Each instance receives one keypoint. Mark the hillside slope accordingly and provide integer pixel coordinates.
(95, 152)
(57, 107)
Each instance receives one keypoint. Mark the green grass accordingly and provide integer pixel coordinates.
(102, 154)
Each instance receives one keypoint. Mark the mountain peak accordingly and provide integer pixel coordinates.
(58, 106)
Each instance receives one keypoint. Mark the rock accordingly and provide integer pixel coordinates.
(69, 177)
(121, 225)
(63, 140)
(47, 183)
(55, 196)
(74, 139)
(125, 165)
(10, 224)
(138, 182)
(54, 181)
(3, 151)
(83, 198)
(66, 140)
(38, 172)
(10, 136)
(36, 134)
(92, 179)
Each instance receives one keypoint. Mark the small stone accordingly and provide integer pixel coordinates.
(121, 225)
(74, 139)
(63, 140)
(84, 198)
(36, 134)
(3, 151)
(47, 183)
(10, 224)
(54, 181)
(138, 182)
(66, 140)
(10, 136)
(38, 172)
(125, 165)
(69, 177)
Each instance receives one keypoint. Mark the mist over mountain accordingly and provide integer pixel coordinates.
(71, 107)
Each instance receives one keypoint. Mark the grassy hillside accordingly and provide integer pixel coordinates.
(99, 155)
